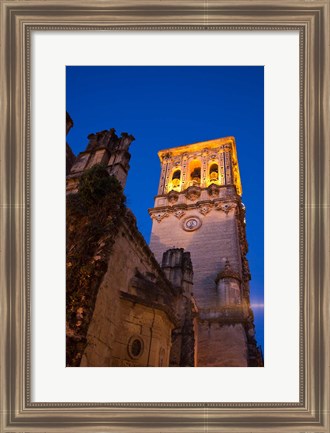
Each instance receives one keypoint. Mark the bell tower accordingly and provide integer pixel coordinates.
(198, 207)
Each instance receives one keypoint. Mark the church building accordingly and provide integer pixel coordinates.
(184, 300)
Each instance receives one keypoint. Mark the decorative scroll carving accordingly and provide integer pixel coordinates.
(213, 190)
(205, 208)
(193, 193)
(159, 216)
(225, 207)
(172, 197)
(179, 213)
(166, 156)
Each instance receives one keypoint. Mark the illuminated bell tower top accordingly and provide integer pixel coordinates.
(200, 165)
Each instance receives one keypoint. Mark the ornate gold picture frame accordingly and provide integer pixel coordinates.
(18, 20)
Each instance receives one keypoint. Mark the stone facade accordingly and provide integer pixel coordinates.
(215, 228)
(144, 312)
(138, 309)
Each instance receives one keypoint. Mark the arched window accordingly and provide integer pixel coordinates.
(214, 172)
(195, 172)
(176, 179)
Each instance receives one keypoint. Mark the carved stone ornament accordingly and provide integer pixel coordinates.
(160, 215)
(213, 190)
(191, 223)
(225, 207)
(205, 208)
(179, 213)
(173, 197)
(167, 156)
(193, 193)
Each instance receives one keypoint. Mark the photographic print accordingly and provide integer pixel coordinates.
(165, 216)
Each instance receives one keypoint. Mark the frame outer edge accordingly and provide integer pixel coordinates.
(325, 108)
(3, 219)
(310, 222)
(13, 165)
(6, 217)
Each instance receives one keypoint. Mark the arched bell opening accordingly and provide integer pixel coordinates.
(176, 180)
(214, 172)
(195, 173)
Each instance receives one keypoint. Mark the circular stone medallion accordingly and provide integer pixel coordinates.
(191, 223)
(135, 347)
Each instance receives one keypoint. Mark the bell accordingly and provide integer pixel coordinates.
(214, 175)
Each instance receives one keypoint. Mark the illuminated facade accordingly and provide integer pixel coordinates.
(198, 207)
(200, 164)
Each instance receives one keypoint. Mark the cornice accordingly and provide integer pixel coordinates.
(202, 206)
(198, 146)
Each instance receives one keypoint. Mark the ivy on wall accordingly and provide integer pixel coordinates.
(92, 218)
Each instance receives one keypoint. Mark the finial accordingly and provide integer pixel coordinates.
(227, 272)
(227, 266)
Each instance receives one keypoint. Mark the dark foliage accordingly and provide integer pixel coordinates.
(93, 216)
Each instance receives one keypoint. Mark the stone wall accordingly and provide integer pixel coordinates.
(124, 309)
(210, 224)
(138, 312)
(209, 245)
(222, 345)
(177, 266)
(150, 326)
(92, 218)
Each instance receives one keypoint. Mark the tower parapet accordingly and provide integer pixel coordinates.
(106, 148)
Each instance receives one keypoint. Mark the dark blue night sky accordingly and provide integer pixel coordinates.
(172, 106)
